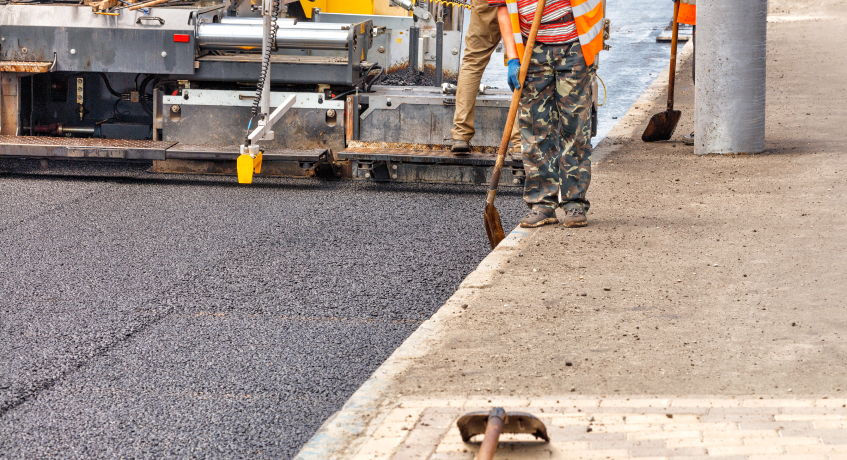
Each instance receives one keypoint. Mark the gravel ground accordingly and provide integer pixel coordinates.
(175, 317)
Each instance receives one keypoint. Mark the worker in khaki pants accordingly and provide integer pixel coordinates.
(482, 37)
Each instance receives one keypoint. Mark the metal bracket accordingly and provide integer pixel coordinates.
(150, 18)
(265, 130)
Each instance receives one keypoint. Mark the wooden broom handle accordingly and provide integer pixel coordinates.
(516, 100)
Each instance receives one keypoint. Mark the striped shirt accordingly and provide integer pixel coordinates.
(554, 29)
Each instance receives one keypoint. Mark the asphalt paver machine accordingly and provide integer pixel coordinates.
(277, 89)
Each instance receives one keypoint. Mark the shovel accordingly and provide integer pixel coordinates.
(493, 225)
(496, 422)
(663, 124)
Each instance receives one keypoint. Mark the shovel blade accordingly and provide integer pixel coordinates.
(493, 226)
(661, 126)
(474, 423)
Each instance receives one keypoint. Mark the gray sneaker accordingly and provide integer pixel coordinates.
(688, 139)
(575, 218)
(460, 146)
(537, 219)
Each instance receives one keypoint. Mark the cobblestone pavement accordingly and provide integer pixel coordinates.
(585, 427)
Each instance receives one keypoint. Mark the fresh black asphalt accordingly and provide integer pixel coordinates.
(149, 317)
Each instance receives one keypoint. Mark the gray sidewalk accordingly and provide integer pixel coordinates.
(704, 303)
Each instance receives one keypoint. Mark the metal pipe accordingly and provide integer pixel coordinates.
(439, 52)
(255, 20)
(248, 37)
(413, 47)
(730, 104)
(286, 23)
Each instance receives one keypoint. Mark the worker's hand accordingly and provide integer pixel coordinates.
(514, 71)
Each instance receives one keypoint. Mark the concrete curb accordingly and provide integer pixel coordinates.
(642, 109)
(343, 434)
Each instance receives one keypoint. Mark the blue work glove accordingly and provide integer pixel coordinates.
(514, 71)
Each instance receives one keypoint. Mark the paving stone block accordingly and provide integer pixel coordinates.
(627, 444)
(741, 434)
(775, 425)
(814, 410)
(663, 435)
(745, 450)
(788, 457)
(635, 403)
(778, 403)
(706, 403)
(564, 402)
(736, 418)
(666, 452)
(661, 418)
(671, 410)
(745, 410)
(782, 441)
(819, 449)
(838, 402)
(809, 417)
(706, 442)
(830, 425)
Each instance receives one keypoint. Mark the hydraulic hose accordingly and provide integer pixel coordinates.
(266, 63)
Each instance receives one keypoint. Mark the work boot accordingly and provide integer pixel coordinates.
(537, 219)
(461, 147)
(574, 217)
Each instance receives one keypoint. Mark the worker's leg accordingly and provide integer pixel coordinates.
(573, 101)
(482, 37)
(539, 121)
(516, 138)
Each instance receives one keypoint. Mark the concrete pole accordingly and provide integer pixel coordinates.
(731, 70)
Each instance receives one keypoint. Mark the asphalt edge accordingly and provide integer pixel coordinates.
(344, 433)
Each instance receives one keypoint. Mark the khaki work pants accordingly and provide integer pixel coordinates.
(481, 40)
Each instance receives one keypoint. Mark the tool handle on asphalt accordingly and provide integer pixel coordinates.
(516, 99)
(674, 40)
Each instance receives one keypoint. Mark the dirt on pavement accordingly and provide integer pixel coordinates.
(697, 274)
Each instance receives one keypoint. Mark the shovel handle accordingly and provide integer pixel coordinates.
(492, 433)
(516, 100)
(674, 40)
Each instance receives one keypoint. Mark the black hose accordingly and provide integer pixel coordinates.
(339, 96)
(142, 91)
(266, 63)
(108, 86)
(376, 78)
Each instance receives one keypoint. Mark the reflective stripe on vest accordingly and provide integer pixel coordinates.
(512, 7)
(588, 17)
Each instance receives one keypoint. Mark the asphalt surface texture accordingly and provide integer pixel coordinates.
(192, 317)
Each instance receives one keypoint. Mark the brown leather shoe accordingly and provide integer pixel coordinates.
(575, 218)
(537, 219)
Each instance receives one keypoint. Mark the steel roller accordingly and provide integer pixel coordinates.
(248, 37)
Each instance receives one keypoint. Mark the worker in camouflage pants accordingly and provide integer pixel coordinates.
(555, 122)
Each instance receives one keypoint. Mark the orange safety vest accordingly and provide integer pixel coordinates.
(588, 16)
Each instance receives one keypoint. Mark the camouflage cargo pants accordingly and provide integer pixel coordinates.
(555, 120)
